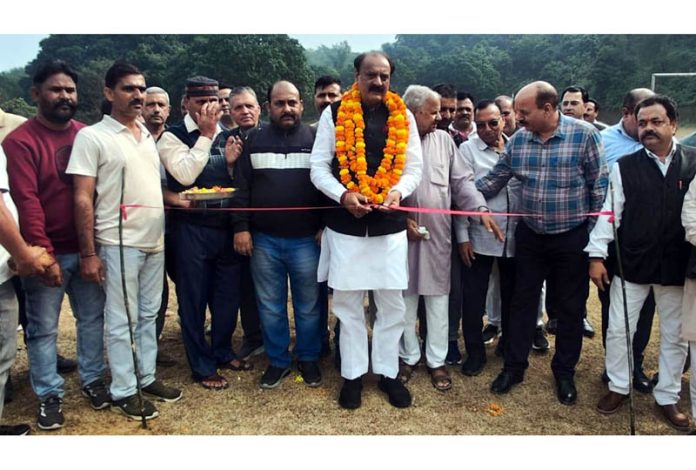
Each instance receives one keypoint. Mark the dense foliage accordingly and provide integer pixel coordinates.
(484, 65)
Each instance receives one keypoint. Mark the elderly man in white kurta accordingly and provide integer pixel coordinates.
(364, 247)
(445, 177)
(688, 314)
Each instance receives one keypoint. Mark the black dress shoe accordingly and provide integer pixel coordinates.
(504, 382)
(565, 389)
(398, 394)
(551, 326)
(350, 397)
(473, 366)
(641, 382)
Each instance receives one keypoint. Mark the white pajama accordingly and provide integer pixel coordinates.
(673, 349)
(387, 330)
(437, 319)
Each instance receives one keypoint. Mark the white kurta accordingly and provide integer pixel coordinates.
(362, 263)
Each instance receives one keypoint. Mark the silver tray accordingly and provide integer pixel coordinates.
(206, 196)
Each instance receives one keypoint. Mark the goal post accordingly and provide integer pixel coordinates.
(655, 75)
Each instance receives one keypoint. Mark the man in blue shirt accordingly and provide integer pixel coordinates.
(619, 140)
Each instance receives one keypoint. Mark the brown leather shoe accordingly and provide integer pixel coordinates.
(675, 418)
(610, 403)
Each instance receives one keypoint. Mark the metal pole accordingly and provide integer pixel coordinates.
(125, 302)
(629, 347)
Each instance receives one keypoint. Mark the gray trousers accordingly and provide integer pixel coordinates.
(9, 313)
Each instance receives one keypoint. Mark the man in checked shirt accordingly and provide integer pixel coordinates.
(560, 163)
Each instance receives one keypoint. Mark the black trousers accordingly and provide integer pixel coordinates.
(248, 308)
(539, 257)
(474, 291)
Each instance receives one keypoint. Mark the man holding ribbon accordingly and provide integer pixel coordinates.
(367, 157)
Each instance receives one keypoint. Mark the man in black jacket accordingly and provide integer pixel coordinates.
(648, 192)
(273, 172)
(208, 269)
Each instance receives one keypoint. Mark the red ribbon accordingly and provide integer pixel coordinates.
(418, 210)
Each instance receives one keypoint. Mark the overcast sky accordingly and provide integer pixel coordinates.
(18, 49)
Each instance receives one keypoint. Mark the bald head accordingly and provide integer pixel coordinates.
(284, 104)
(630, 101)
(542, 92)
(536, 107)
(635, 96)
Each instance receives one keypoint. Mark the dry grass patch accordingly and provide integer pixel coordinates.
(295, 409)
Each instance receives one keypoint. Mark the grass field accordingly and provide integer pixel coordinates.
(294, 409)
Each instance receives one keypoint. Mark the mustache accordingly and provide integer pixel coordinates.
(67, 103)
(648, 134)
(377, 88)
(135, 101)
(290, 115)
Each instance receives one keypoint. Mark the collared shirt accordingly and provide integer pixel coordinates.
(562, 179)
(461, 136)
(664, 166)
(182, 162)
(618, 143)
(482, 159)
(603, 232)
(109, 152)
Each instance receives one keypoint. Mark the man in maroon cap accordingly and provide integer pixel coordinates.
(208, 269)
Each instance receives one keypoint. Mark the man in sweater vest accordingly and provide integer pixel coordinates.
(646, 195)
(208, 269)
(367, 152)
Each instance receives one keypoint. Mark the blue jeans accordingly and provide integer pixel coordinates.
(143, 275)
(9, 311)
(209, 275)
(273, 260)
(43, 310)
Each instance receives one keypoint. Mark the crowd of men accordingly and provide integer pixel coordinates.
(83, 214)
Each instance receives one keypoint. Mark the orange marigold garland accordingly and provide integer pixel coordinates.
(350, 146)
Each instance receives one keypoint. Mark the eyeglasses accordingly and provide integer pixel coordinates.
(493, 124)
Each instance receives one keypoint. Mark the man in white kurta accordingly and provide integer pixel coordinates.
(352, 260)
(688, 313)
(648, 193)
(445, 177)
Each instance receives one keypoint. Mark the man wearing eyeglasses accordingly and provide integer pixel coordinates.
(479, 249)
(560, 164)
